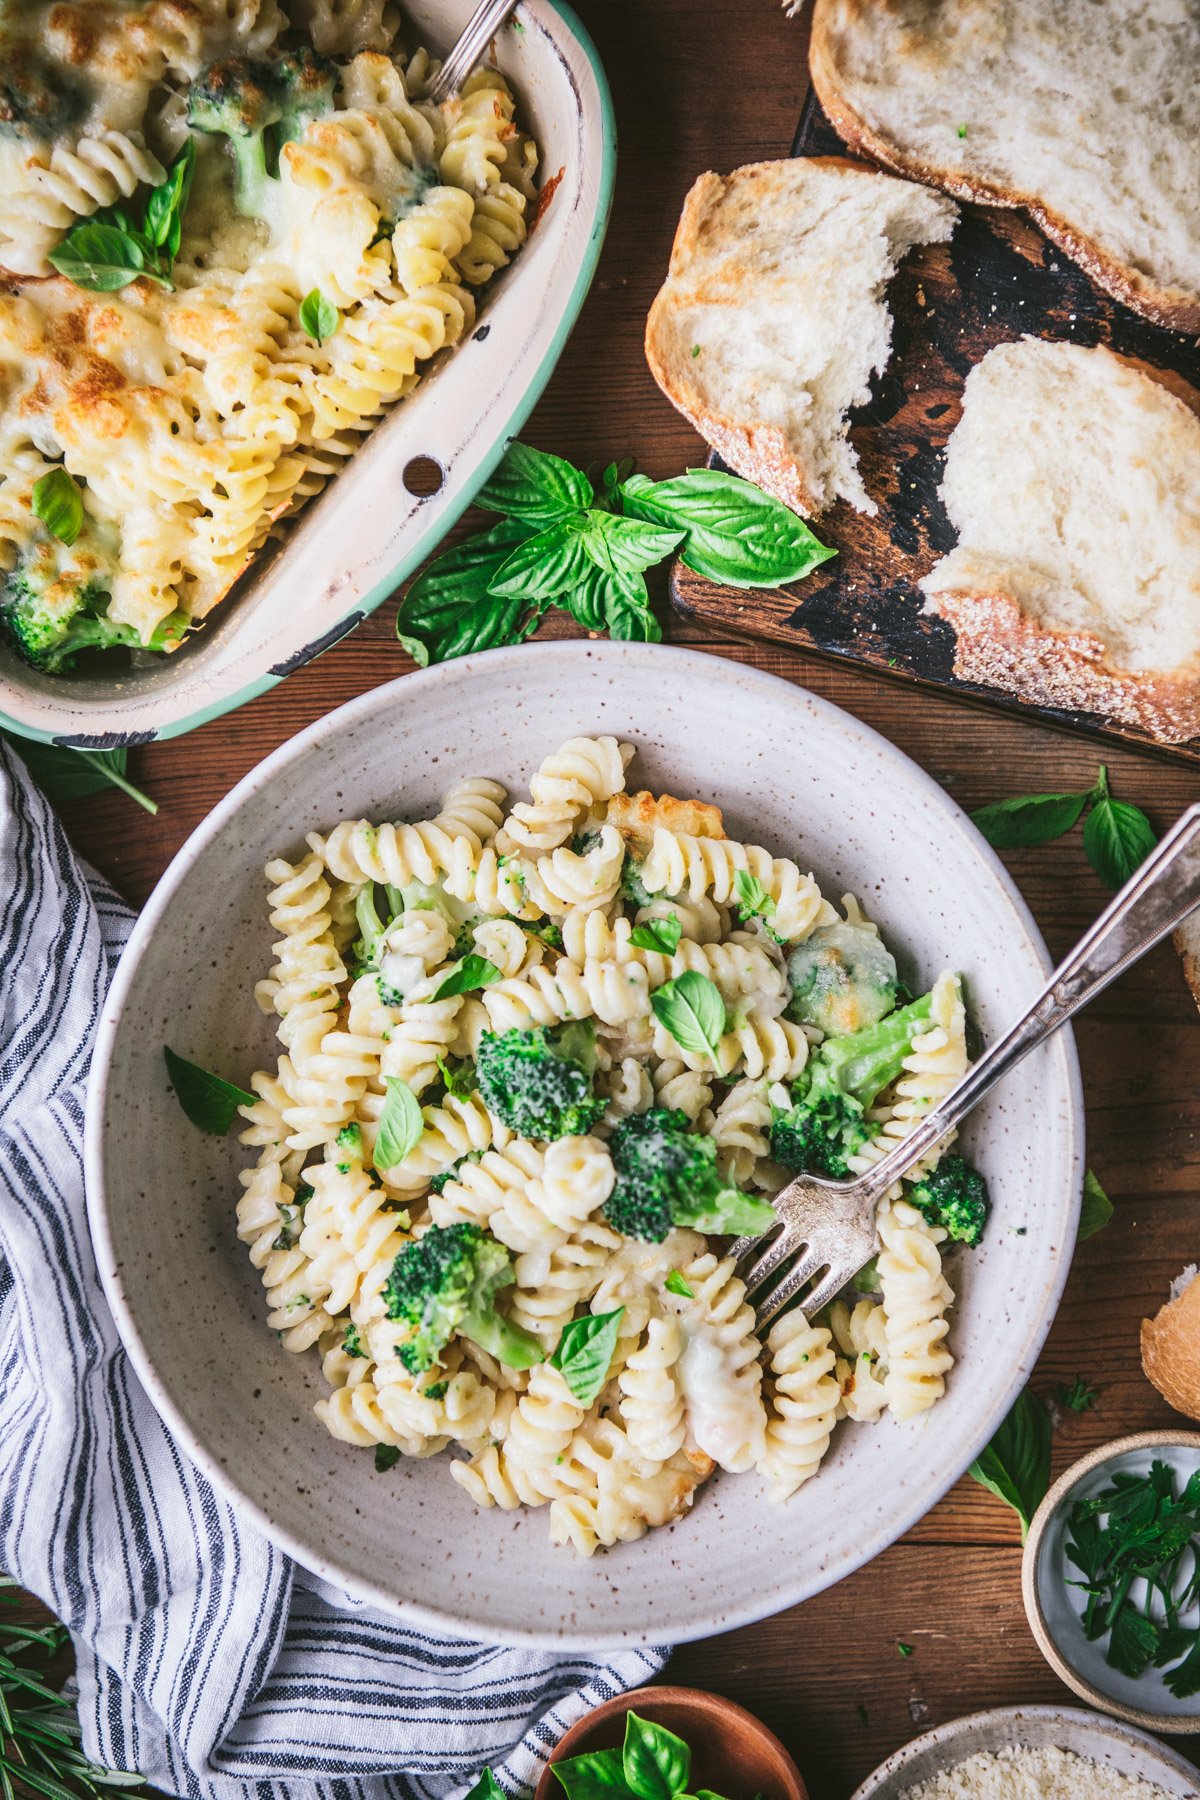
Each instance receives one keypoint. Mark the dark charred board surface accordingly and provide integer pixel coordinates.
(996, 280)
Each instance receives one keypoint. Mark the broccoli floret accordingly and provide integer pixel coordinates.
(954, 1196)
(827, 1123)
(631, 883)
(446, 1283)
(51, 611)
(539, 1085)
(34, 102)
(843, 979)
(305, 84)
(668, 1175)
(259, 106)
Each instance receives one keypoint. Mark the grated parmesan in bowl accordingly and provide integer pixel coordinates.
(1021, 1772)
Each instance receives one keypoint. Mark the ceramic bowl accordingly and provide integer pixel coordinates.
(732, 1752)
(790, 771)
(1114, 1746)
(367, 531)
(1055, 1608)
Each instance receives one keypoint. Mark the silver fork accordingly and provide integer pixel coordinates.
(474, 39)
(828, 1227)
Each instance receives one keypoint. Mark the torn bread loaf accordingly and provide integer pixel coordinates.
(1088, 116)
(1186, 939)
(1171, 1346)
(772, 319)
(1072, 482)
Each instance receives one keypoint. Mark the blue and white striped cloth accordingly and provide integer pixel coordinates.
(206, 1659)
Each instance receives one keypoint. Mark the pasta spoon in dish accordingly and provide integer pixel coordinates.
(480, 28)
(827, 1228)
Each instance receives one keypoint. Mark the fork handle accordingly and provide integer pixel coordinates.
(480, 28)
(1157, 898)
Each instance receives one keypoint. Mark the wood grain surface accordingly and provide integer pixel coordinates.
(998, 278)
(712, 86)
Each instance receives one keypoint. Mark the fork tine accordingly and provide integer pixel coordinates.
(773, 1257)
(826, 1289)
(797, 1277)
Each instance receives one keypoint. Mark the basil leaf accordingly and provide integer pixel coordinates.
(662, 935)
(1016, 1464)
(576, 1042)
(585, 1352)
(386, 1457)
(534, 486)
(725, 1210)
(675, 1284)
(692, 1010)
(593, 598)
(597, 1776)
(487, 1787)
(626, 546)
(1096, 1211)
(735, 533)
(165, 205)
(448, 611)
(472, 973)
(1117, 839)
(752, 896)
(1028, 819)
(319, 317)
(401, 1126)
(545, 565)
(58, 503)
(631, 620)
(656, 1762)
(65, 774)
(101, 258)
(209, 1102)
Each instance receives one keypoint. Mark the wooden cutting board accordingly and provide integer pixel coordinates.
(997, 279)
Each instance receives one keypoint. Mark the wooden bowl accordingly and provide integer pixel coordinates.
(733, 1753)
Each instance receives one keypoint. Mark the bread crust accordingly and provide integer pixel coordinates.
(1173, 308)
(1171, 1351)
(757, 451)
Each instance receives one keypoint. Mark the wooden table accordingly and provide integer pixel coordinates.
(712, 86)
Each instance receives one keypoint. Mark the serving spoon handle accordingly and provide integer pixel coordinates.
(478, 32)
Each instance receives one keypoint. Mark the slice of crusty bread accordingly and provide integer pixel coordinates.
(1171, 1347)
(1186, 939)
(1087, 115)
(772, 319)
(1071, 480)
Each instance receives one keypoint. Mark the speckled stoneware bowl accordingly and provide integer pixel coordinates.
(791, 772)
(1113, 1746)
(377, 521)
(1054, 1605)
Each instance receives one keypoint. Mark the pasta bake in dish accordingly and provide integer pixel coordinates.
(538, 1066)
(232, 234)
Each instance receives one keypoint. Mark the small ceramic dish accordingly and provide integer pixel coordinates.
(378, 519)
(1113, 1746)
(790, 771)
(1055, 1607)
(733, 1753)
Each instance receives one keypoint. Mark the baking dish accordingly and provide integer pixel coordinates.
(354, 544)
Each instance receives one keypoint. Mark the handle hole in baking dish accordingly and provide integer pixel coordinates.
(423, 476)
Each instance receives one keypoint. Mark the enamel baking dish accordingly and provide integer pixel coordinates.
(366, 532)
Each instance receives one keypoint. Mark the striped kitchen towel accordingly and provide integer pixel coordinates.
(206, 1659)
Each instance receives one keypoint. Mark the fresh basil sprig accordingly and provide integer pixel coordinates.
(1015, 1466)
(662, 935)
(1096, 1211)
(692, 1010)
(401, 1124)
(66, 774)
(561, 544)
(209, 1101)
(753, 899)
(1117, 836)
(585, 1352)
(652, 1764)
(113, 247)
(467, 977)
(319, 317)
(58, 503)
